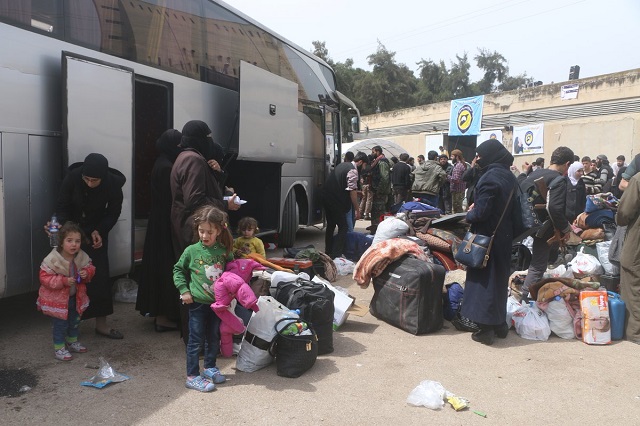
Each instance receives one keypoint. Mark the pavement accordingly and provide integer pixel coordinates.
(365, 381)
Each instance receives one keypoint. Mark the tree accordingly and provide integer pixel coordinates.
(321, 51)
(457, 84)
(513, 83)
(495, 69)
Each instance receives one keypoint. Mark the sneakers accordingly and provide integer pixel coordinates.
(200, 384)
(236, 348)
(63, 354)
(76, 347)
(214, 375)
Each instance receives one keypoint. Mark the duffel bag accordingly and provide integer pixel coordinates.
(295, 352)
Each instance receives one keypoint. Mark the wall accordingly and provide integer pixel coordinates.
(604, 119)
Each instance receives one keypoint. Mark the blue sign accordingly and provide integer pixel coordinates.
(466, 116)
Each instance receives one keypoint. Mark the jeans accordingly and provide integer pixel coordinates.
(539, 261)
(204, 327)
(350, 220)
(66, 330)
(336, 216)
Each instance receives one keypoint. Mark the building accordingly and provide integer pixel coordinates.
(604, 118)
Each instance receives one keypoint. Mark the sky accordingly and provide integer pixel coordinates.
(542, 38)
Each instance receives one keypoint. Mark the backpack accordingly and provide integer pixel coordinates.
(527, 214)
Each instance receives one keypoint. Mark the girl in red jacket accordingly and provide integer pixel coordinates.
(63, 291)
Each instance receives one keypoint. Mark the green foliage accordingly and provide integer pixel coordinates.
(391, 86)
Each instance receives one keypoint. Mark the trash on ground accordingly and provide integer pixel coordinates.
(433, 395)
(105, 375)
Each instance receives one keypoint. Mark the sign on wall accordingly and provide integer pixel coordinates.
(466, 116)
(528, 139)
(489, 134)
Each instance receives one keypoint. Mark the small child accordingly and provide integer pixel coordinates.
(194, 275)
(64, 274)
(247, 242)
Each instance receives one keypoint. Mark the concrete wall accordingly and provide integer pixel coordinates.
(604, 119)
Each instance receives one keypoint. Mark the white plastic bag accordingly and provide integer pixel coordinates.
(126, 290)
(512, 306)
(261, 325)
(428, 394)
(389, 228)
(344, 266)
(603, 257)
(560, 271)
(585, 264)
(531, 323)
(560, 320)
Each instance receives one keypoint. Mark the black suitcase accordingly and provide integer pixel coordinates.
(315, 302)
(408, 295)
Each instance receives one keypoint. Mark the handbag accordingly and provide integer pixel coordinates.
(474, 250)
(295, 353)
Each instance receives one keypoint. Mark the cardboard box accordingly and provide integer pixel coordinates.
(343, 303)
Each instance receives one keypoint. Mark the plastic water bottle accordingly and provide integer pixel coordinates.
(53, 231)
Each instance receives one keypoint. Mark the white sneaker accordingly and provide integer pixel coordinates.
(76, 347)
(63, 354)
(236, 348)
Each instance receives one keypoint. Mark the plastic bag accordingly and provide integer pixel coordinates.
(560, 320)
(126, 290)
(253, 354)
(560, 271)
(603, 257)
(512, 306)
(428, 394)
(389, 228)
(344, 266)
(585, 264)
(105, 375)
(531, 323)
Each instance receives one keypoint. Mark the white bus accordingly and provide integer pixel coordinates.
(108, 76)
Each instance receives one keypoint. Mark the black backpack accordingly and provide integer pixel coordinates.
(526, 214)
(315, 302)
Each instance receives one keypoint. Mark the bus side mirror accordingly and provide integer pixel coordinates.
(355, 124)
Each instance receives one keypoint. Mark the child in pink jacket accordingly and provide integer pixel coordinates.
(64, 274)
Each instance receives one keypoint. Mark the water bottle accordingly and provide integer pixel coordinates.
(53, 231)
(616, 314)
(292, 329)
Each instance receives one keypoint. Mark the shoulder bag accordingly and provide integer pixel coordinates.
(474, 250)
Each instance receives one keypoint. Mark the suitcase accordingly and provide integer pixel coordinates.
(356, 244)
(315, 302)
(408, 295)
(296, 265)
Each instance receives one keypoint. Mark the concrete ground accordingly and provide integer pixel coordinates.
(366, 380)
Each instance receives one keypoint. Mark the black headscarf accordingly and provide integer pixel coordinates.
(95, 166)
(168, 144)
(197, 135)
(492, 151)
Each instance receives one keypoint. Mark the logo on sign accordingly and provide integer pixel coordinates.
(528, 137)
(465, 117)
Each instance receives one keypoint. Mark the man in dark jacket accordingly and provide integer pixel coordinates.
(339, 195)
(380, 186)
(401, 179)
(555, 220)
(605, 172)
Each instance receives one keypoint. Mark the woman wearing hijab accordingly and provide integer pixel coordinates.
(91, 195)
(485, 297)
(157, 296)
(576, 192)
(193, 184)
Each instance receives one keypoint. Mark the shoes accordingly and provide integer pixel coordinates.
(200, 384)
(501, 330)
(76, 347)
(236, 348)
(112, 334)
(214, 375)
(63, 354)
(162, 328)
(464, 324)
(367, 217)
(485, 336)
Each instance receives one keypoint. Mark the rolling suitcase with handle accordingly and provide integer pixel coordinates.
(408, 295)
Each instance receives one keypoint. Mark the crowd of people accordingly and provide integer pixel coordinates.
(447, 180)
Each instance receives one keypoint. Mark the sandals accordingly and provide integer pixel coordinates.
(112, 334)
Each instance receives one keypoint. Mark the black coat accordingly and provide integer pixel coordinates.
(485, 294)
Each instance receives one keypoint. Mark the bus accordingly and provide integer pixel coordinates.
(109, 76)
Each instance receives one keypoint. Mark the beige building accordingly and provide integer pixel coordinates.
(604, 118)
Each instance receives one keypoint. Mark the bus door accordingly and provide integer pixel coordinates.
(98, 116)
(331, 138)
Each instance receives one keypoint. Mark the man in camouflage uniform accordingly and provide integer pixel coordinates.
(380, 186)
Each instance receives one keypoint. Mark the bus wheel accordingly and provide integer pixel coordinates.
(290, 221)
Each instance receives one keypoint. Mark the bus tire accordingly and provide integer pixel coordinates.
(290, 221)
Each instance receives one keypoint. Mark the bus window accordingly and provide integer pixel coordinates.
(35, 15)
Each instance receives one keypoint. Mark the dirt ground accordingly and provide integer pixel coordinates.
(366, 380)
